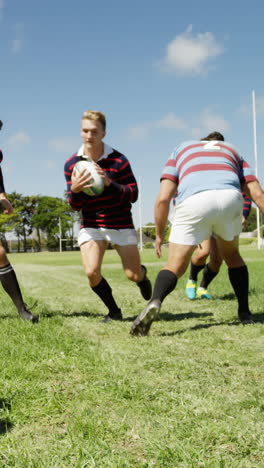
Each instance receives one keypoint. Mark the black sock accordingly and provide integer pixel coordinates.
(195, 270)
(165, 283)
(10, 284)
(104, 291)
(240, 282)
(208, 276)
(144, 277)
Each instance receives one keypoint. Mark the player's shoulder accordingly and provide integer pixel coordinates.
(190, 143)
(115, 154)
(71, 160)
(229, 145)
(115, 151)
(230, 148)
(186, 145)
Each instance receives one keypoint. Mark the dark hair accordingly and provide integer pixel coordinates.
(1, 124)
(214, 136)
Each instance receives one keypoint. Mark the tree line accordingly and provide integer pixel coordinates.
(38, 222)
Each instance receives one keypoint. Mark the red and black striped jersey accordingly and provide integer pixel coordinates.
(112, 208)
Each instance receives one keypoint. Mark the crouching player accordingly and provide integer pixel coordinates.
(208, 176)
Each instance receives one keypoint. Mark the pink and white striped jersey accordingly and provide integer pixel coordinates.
(196, 166)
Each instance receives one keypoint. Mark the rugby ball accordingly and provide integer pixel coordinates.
(97, 181)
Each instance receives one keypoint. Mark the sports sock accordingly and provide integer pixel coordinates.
(208, 276)
(165, 283)
(240, 282)
(144, 277)
(104, 291)
(195, 270)
(10, 284)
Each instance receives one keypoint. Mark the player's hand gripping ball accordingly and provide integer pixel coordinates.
(97, 182)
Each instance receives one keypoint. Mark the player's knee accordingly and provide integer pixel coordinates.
(234, 260)
(92, 274)
(178, 269)
(199, 259)
(3, 257)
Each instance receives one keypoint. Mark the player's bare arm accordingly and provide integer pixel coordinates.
(255, 192)
(80, 181)
(162, 206)
(8, 208)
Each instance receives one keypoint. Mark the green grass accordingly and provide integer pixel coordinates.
(78, 393)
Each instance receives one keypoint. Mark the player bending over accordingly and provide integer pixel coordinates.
(208, 176)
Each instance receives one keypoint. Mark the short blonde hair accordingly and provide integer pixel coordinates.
(95, 115)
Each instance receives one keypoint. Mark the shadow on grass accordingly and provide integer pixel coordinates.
(70, 314)
(55, 313)
(187, 315)
(5, 424)
(258, 318)
(45, 313)
(227, 297)
(199, 327)
(5, 404)
(175, 317)
(231, 296)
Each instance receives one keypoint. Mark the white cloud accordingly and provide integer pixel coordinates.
(138, 132)
(190, 54)
(169, 121)
(17, 45)
(15, 142)
(51, 164)
(209, 122)
(17, 42)
(65, 144)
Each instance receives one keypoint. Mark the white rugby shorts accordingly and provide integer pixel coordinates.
(205, 213)
(115, 236)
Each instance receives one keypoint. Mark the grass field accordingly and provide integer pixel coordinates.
(78, 393)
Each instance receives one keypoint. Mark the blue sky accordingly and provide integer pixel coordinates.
(162, 73)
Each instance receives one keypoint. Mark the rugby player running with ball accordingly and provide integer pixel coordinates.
(106, 218)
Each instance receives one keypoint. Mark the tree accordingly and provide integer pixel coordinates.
(7, 224)
(25, 207)
(149, 230)
(51, 215)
